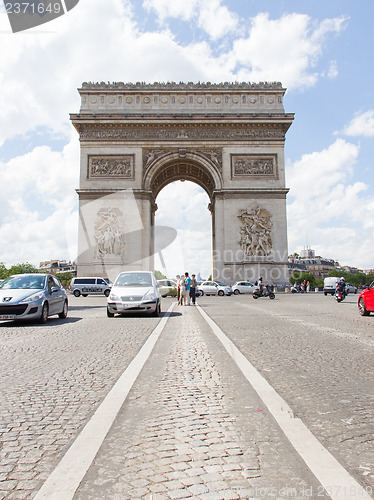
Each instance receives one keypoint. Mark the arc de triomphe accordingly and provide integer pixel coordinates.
(228, 138)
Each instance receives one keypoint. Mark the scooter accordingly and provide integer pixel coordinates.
(339, 295)
(265, 292)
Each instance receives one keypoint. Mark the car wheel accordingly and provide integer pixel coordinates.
(107, 293)
(84, 294)
(44, 316)
(201, 293)
(236, 292)
(221, 292)
(157, 311)
(362, 309)
(109, 314)
(64, 311)
(76, 293)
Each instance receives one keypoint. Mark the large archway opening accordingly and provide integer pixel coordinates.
(183, 205)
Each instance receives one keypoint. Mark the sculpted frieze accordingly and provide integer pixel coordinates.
(181, 133)
(111, 166)
(255, 231)
(214, 156)
(253, 165)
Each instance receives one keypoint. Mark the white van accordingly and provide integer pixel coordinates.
(329, 285)
(90, 286)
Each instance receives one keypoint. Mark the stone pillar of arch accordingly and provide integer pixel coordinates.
(228, 138)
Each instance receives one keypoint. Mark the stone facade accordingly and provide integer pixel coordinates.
(228, 138)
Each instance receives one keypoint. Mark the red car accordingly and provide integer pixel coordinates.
(366, 301)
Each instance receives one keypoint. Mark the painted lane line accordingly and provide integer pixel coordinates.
(330, 473)
(66, 477)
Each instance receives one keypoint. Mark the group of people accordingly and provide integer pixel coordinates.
(186, 287)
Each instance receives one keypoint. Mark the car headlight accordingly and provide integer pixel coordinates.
(114, 297)
(33, 298)
(149, 295)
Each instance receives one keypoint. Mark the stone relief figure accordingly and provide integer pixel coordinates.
(253, 166)
(255, 238)
(109, 233)
(108, 167)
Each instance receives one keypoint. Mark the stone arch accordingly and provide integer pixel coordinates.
(189, 166)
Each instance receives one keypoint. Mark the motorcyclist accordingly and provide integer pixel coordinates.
(340, 287)
(261, 285)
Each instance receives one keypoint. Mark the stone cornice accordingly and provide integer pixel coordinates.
(188, 86)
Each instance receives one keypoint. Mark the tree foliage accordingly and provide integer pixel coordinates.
(159, 275)
(65, 278)
(23, 268)
(300, 277)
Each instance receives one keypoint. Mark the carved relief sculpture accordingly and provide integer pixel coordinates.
(111, 166)
(245, 165)
(255, 231)
(109, 233)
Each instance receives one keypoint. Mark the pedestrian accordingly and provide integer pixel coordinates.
(193, 286)
(182, 295)
(178, 287)
(307, 286)
(187, 284)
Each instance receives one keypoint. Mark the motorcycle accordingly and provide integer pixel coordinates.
(339, 295)
(265, 292)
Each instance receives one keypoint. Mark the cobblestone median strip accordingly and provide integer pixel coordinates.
(332, 476)
(65, 479)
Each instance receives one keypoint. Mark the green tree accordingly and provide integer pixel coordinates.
(300, 277)
(23, 268)
(159, 275)
(4, 273)
(65, 278)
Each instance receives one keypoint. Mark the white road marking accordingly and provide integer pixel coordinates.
(65, 479)
(330, 473)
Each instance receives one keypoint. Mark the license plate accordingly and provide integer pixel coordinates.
(7, 316)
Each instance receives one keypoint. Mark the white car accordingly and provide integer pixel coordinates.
(350, 288)
(243, 287)
(215, 288)
(134, 292)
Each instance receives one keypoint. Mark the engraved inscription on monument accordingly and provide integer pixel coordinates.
(255, 238)
(111, 166)
(254, 165)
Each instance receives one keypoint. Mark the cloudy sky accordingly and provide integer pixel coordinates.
(321, 52)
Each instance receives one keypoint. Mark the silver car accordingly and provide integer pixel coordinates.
(215, 288)
(243, 287)
(32, 296)
(134, 292)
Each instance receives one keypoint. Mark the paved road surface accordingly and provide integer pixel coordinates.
(192, 426)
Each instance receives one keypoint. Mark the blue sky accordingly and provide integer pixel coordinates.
(321, 52)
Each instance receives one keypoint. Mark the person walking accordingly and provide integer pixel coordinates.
(187, 284)
(193, 286)
(178, 287)
(182, 296)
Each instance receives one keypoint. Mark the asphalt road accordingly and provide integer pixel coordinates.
(318, 355)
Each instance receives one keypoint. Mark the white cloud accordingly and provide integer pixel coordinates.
(328, 210)
(40, 197)
(361, 125)
(183, 206)
(211, 16)
(285, 49)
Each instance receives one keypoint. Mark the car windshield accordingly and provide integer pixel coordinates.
(25, 282)
(134, 279)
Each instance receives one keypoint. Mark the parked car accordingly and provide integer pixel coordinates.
(366, 301)
(350, 288)
(167, 288)
(90, 286)
(215, 288)
(243, 287)
(134, 292)
(32, 296)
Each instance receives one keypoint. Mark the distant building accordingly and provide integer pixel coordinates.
(307, 262)
(58, 266)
